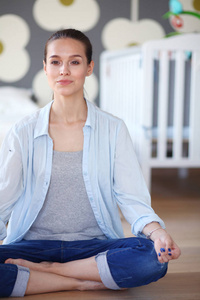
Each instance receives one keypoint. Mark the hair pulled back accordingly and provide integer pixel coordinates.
(73, 34)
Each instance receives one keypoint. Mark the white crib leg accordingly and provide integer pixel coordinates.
(183, 173)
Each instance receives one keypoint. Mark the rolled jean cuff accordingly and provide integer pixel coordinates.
(21, 282)
(104, 271)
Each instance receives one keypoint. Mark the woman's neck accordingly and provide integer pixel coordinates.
(68, 110)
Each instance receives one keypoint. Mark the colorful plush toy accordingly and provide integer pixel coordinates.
(175, 10)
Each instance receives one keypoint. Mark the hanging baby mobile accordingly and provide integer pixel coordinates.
(176, 15)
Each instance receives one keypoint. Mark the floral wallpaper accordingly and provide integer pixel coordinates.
(25, 25)
(12, 48)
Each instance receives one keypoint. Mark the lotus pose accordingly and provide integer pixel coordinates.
(64, 173)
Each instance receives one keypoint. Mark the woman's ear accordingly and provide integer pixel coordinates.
(44, 67)
(90, 68)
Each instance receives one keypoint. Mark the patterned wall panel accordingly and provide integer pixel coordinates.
(112, 24)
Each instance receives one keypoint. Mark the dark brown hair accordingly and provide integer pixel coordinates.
(73, 34)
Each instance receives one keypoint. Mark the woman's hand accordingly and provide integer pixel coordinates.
(165, 247)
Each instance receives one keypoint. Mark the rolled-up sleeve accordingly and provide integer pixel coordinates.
(130, 188)
(11, 178)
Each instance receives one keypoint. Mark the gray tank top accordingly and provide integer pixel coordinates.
(66, 214)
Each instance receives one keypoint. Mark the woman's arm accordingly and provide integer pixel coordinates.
(129, 187)
(165, 247)
(11, 181)
(134, 200)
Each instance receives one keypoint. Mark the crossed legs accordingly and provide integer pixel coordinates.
(51, 277)
(89, 265)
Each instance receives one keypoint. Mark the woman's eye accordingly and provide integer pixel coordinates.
(75, 62)
(55, 62)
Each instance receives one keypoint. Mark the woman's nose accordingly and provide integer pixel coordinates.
(65, 70)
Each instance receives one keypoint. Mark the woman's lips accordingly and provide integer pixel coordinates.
(64, 82)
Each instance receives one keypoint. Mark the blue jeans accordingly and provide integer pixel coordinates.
(130, 262)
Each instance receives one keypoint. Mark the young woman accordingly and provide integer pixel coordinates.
(63, 173)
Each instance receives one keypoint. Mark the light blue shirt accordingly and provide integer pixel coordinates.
(111, 174)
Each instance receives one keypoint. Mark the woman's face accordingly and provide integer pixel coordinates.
(66, 67)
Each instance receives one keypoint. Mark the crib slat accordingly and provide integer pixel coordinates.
(194, 137)
(147, 107)
(163, 104)
(178, 104)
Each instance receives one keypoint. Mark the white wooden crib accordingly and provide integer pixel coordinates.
(155, 89)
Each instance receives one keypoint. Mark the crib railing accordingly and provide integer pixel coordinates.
(118, 94)
(155, 89)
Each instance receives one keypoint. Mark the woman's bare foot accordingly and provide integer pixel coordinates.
(42, 267)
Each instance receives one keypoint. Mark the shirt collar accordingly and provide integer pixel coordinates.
(90, 114)
(42, 125)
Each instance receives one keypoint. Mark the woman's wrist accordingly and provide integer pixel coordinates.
(153, 230)
(148, 236)
(158, 234)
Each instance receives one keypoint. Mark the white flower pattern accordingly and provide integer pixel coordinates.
(121, 32)
(57, 14)
(14, 59)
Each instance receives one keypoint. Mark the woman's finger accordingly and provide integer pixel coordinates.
(160, 248)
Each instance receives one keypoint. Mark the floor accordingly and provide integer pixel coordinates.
(177, 201)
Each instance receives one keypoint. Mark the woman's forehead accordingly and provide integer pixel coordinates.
(66, 46)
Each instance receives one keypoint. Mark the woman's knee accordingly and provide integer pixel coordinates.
(156, 270)
(135, 266)
(149, 265)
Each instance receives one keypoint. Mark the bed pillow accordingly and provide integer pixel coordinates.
(15, 103)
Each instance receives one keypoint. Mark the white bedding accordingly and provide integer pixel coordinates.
(15, 103)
